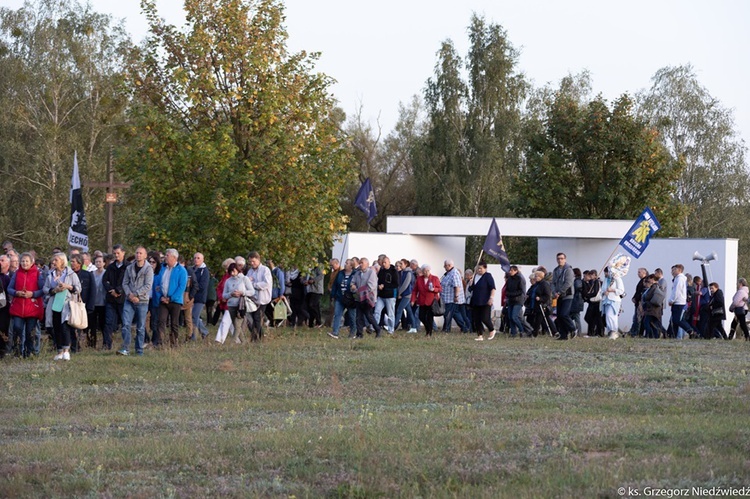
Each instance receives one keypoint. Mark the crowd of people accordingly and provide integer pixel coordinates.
(156, 294)
(382, 296)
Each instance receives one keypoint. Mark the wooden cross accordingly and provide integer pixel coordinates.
(110, 198)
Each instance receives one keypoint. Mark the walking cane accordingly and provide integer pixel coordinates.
(544, 316)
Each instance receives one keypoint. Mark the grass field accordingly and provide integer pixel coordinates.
(307, 416)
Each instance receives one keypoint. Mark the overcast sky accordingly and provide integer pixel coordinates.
(381, 53)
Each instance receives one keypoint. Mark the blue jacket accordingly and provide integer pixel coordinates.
(156, 289)
(177, 284)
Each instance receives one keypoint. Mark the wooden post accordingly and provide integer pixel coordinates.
(110, 198)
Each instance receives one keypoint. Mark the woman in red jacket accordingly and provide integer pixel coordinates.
(26, 288)
(426, 290)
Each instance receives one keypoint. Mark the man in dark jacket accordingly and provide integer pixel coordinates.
(112, 282)
(515, 293)
(88, 296)
(387, 291)
(637, 326)
(201, 276)
(186, 314)
(718, 313)
(562, 289)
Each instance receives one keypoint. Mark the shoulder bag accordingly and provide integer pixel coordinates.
(78, 318)
(438, 307)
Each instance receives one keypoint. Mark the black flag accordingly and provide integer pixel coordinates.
(78, 234)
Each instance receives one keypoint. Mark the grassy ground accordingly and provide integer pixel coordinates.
(308, 416)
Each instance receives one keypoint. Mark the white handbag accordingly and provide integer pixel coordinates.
(78, 318)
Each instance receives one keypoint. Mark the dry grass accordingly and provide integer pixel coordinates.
(307, 416)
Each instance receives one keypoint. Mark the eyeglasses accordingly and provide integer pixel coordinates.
(152, 261)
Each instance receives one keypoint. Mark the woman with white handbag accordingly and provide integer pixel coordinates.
(60, 284)
(237, 291)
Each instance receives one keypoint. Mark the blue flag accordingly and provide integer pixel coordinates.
(365, 200)
(637, 238)
(493, 246)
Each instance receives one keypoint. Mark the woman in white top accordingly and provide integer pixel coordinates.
(612, 292)
(60, 284)
(236, 288)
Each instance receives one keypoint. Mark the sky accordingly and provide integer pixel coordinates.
(382, 53)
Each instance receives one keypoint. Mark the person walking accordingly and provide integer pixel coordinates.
(482, 290)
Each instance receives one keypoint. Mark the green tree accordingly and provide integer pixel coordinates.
(700, 136)
(60, 91)
(585, 160)
(235, 144)
(387, 162)
(471, 149)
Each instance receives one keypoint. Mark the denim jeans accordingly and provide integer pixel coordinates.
(455, 312)
(129, 312)
(113, 314)
(565, 324)
(516, 324)
(338, 312)
(23, 329)
(679, 324)
(154, 311)
(197, 322)
(405, 305)
(390, 305)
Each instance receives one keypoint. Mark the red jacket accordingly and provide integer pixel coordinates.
(422, 295)
(220, 292)
(27, 308)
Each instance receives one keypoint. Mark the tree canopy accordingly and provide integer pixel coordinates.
(587, 160)
(60, 91)
(235, 144)
(467, 157)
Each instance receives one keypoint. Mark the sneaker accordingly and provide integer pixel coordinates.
(412, 331)
(479, 338)
(614, 335)
(59, 356)
(123, 352)
(332, 335)
(492, 335)
(66, 355)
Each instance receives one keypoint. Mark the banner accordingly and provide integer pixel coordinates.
(636, 240)
(493, 246)
(365, 200)
(78, 233)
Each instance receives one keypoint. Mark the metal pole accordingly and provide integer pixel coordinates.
(110, 215)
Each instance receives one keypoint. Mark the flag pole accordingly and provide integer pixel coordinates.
(346, 239)
(479, 259)
(606, 262)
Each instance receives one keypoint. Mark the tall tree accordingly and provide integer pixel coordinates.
(585, 160)
(237, 143)
(700, 136)
(60, 91)
(471, 150)
(387, 162)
